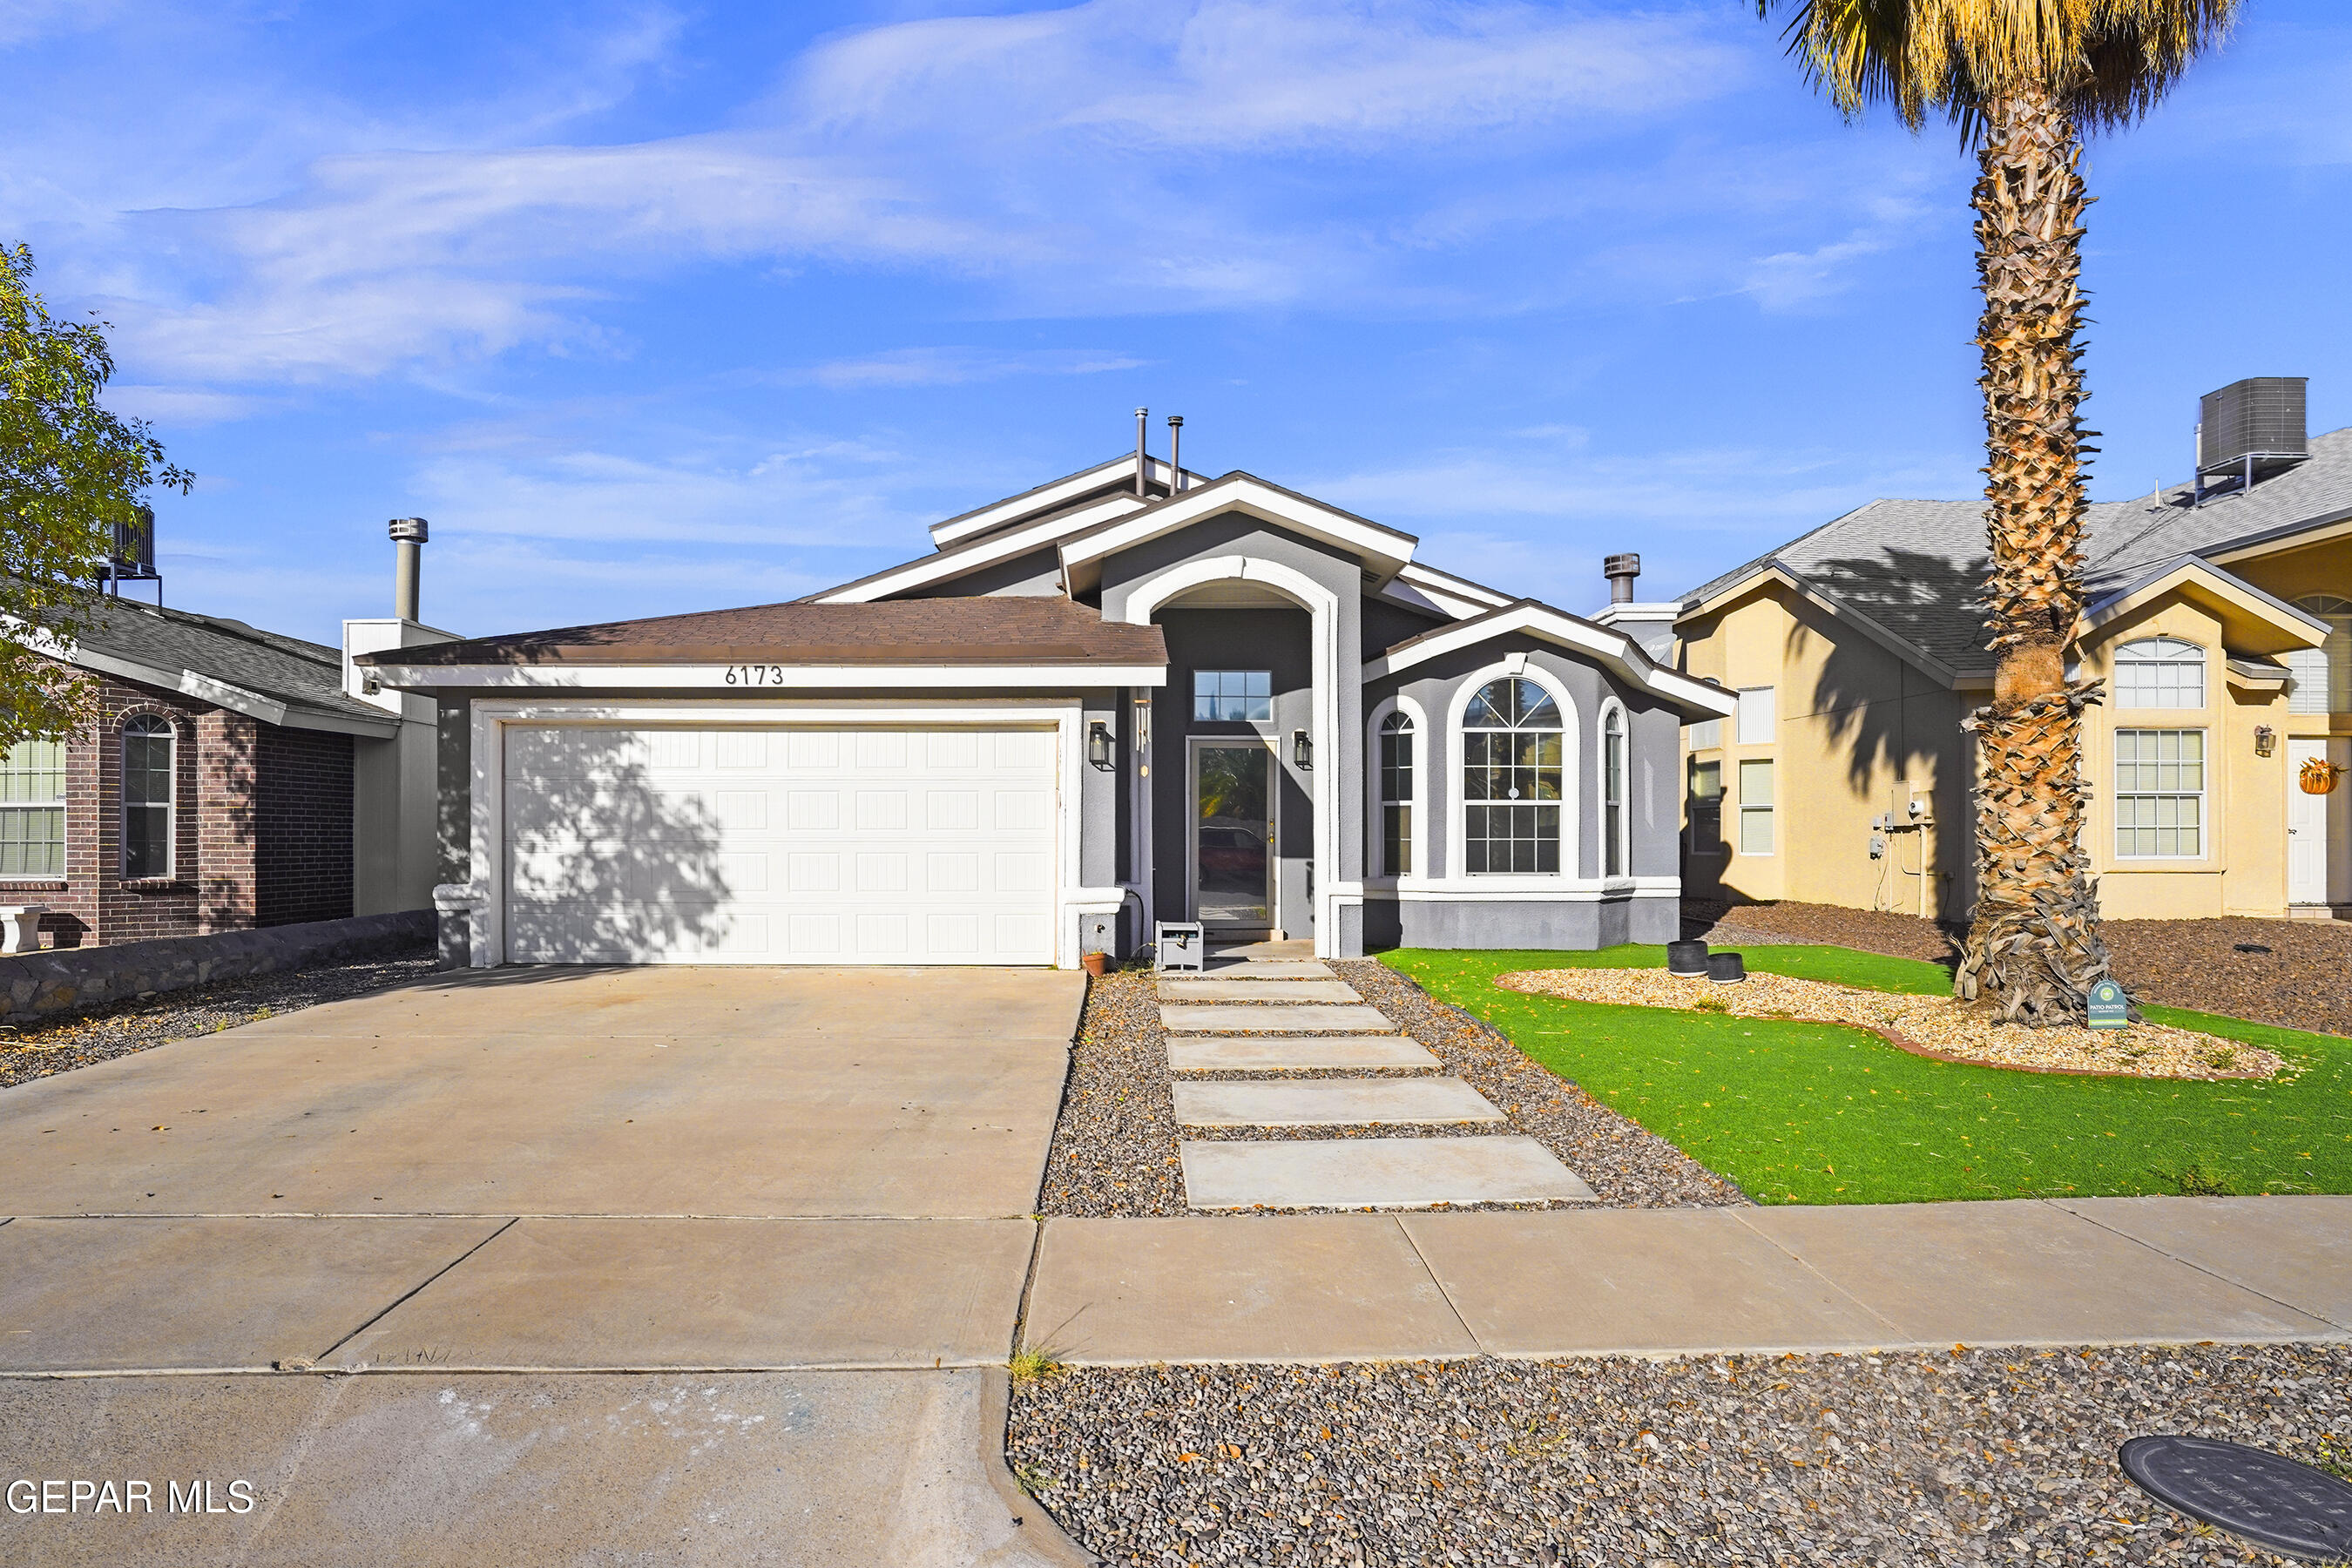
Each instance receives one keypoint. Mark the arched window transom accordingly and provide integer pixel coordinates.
(2160, 672)
(148, 776)
(1511, 744)
(1396, 795)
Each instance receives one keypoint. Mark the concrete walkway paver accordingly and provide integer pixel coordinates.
(1277, 1053)
(1241, 1017)
(1269, 969)
(1374, 1173)
(1330, 1102)
(1218, 988)
(1291, 1287)
(2293, 1249)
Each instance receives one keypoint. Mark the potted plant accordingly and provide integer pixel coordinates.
(1097, 963)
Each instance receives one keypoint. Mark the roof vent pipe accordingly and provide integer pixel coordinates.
(1620, 571)
(1142, 460)
(1175, 453)
(408, 535)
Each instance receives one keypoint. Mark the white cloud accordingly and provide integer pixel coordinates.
(955, 366)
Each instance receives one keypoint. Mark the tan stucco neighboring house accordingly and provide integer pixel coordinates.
(2221, 621)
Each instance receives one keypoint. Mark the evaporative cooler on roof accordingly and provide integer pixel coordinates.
(2252, 427)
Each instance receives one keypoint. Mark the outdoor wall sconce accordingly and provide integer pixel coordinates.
(1099, 745)
(2265, 740)
(1302, 751)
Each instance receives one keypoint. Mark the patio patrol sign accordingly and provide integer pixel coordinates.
(2108, 1005)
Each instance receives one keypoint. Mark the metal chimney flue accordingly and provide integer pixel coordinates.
(1142, 459)
(408, 536)
(1175, 453)
(1620, 571)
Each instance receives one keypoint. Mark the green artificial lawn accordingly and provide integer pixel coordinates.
(1822, 1113)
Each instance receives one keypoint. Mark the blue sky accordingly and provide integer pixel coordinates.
(658, 308)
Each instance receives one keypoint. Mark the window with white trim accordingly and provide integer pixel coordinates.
(2323, 675)
(2159, 672)
(1704, 736)
(1396, 795)
(32, 810)
(1758, 726)
(1511, 746)
(147, 790)
(1756, 805)
(1233, 695)
(2159, 793)
(1612, 793)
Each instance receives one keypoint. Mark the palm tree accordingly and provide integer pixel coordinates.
(2022, 79)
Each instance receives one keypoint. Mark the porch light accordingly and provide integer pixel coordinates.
(1302, 750)
(2265, 740)
(1099, 745)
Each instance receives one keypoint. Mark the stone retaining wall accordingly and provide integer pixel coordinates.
(60, 980)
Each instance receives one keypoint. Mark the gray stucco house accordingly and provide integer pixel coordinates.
(1134, 694)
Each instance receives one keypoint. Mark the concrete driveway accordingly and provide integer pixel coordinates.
(787, 1206)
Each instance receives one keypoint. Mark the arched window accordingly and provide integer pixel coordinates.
(2160, 672)
(1511, 779)
(1396, 795)
(2323, 675)
(147, 779)
(1612, 793)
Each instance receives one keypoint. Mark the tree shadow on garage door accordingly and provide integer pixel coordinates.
(616, 850)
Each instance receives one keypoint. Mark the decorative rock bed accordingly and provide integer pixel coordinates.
(1937, 1027)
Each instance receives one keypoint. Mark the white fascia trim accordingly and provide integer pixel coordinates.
(203, 688)
(777, 677)
(2234, 590)
(947, 568)
(1620, 651)
(1258, 499)
(484, 892)
(221, 694)
(1012, 509)
(1445, 591)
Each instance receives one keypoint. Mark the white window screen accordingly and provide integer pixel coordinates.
(1757, 727)
(2159, 793)
(2323, 675)
(1755, 807)
(2160, 672)
(32, 810)
(1706, 735)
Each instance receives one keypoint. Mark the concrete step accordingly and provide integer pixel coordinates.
(1330, 1102)
(1289, 947)
(1375, 1172)
(1243, 1017)
(1221, 988)
(1277, 1053)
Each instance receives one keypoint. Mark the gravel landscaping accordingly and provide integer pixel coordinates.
(2299, 983)
(1114, 1148)
(60, 1044)
(1938, 1026)
(1953, 1458)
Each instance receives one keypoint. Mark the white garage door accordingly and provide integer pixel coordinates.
(779, 846)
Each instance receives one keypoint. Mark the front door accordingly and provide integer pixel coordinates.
(1233, 836)
(2307, 829)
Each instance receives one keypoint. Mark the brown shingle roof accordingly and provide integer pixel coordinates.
(1007, 630)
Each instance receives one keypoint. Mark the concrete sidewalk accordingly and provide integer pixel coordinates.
(1326, 1287)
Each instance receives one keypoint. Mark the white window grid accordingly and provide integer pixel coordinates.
(32, 811)
(2159, 795)
(2160, 672)
(1396, 795)
(1614, 847)
(150, 784)
(1756, 824)
(1513, 741)
(2323, 675)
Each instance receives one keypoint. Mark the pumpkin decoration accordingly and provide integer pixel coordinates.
(2318, 776)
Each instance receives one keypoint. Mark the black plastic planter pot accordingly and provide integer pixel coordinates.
(1725, 968)
(1686, 958)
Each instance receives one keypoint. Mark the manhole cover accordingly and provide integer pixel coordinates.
(2265, 1498)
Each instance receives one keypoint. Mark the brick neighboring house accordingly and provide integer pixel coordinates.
(233, 778)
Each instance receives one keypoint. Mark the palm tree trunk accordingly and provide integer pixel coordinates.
(2035, 948)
